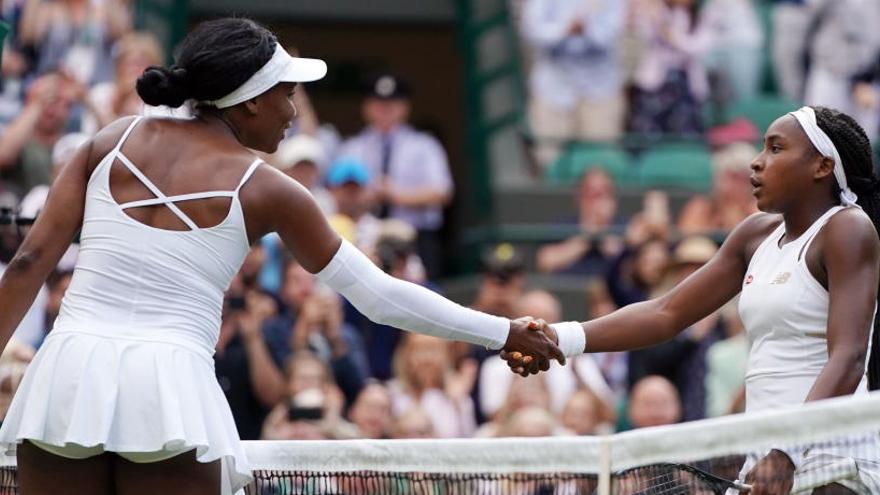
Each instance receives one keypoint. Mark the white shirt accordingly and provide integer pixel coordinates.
(785, 314)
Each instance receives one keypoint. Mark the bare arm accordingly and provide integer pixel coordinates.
(559, 256)
(45, 243)
(419, 197)
(657, 320)
(851, 253)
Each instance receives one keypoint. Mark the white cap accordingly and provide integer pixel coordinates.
(280, 68)
(296, 149)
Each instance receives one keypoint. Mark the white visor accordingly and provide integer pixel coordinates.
(280, 68)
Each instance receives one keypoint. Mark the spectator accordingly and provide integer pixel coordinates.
(371, 411)
(410, 169)
(731, 200)
(842, 26)
(682, 360)
(654, 402)
(108, 101)
(502, 282)
(415, 422)
(726, 362)
(532, 422)
(589, 252)
(33, 325)
(575, 82)
(791, 17)
(13, 363)
(313, 409)
(302, 157)
(582, 414)
(26, 144)
(671, 81)
(63, 149)
(736, 38)
(348, 181)
(75, 36)
(312, 320)
(250, 379)
(521, 393)
(425, 376)
(613, 365)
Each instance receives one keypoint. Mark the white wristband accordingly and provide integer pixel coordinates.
(572, 338)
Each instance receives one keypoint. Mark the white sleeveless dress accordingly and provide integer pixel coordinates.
(785, 313)
(128, 366)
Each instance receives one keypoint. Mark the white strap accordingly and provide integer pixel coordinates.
(179, 197)
(127, 132)
(155, 190)
(247, 175)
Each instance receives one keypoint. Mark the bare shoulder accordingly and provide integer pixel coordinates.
(749, 234)
(851, 230)
(267, 194)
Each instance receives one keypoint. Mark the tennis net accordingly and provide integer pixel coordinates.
(836, 442)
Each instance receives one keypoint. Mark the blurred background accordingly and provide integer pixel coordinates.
(552, 158)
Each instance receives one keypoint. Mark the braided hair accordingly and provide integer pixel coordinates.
(855, 152)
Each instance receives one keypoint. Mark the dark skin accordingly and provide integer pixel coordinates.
(207, 153)
(793, 184)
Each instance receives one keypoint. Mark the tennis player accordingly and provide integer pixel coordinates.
(121, 397)
(806, 268)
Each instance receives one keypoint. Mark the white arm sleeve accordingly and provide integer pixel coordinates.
(390, 301)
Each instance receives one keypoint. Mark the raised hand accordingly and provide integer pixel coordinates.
(530, 347)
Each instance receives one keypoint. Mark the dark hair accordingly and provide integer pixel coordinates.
(213, 60)
(856, 154)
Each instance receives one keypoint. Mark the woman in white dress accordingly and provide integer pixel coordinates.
(122, 397)
(806, 268)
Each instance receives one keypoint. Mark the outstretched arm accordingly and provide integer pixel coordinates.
(651, 322)
(283, 205)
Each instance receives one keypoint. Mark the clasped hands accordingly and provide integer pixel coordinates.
(531, 345)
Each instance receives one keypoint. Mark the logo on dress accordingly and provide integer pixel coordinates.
(749, 279)
(781, 278)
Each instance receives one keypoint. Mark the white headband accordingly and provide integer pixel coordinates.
(280, 68)
(806, 116)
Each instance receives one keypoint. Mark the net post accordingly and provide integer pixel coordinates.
(604, 487)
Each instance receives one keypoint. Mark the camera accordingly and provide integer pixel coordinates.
(306, 405)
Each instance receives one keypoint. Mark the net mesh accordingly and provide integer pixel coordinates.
(836, 444)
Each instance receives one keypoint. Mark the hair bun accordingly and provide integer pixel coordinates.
(164, 86)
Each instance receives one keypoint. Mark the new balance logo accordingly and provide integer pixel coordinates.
(781, 278)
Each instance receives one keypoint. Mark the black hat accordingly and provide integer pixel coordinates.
(503, 262)
(387, 86)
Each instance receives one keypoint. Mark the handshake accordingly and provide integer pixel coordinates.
(531, 345)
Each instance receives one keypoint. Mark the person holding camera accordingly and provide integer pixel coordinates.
(252, 381)
(313, 404)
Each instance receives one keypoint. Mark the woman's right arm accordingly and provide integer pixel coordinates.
(280, 204)
(657, 320)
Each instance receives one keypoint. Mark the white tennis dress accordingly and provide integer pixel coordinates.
(785, 314)
(128, 366)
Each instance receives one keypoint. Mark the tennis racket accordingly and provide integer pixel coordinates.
(685, 479)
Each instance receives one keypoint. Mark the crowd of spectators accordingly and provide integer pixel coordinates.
(600, 69)
(298, 362)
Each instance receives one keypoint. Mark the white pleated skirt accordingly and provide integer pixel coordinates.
(126, 395)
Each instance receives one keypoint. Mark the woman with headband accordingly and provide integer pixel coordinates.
(122, 397)
(806, 269)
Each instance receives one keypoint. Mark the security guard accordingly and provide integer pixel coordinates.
(414, 183)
